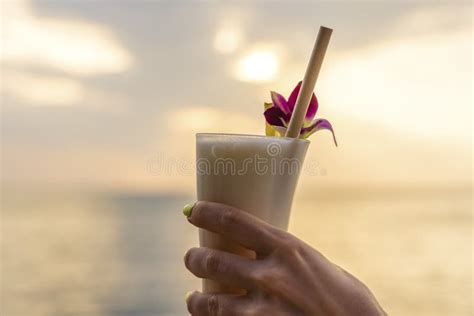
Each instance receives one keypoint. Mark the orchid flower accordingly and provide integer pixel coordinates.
(278, 113)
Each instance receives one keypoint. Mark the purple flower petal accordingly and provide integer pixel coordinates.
(280, 102)
(313, 104)
(294, 96)
(274, 116)
(317, 125)
(312, 108)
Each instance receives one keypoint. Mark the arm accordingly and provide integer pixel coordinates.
(288, 277)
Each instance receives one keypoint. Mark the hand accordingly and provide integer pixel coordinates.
(287, 278)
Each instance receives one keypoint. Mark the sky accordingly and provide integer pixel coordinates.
(109, 94)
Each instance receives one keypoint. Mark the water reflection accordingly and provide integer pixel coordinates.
(71, 254)
(95, 255)
(152, 239)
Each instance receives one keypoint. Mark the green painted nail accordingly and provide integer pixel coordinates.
(188, 209)
(188, 295)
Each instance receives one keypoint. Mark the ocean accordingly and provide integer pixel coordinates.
(121, 254)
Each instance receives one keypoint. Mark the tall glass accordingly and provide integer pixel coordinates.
(257, 174)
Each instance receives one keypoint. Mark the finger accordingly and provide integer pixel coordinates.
(200, 304)
(238, 225)
(223, 267)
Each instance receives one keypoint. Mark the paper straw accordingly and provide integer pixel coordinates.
(309, 81)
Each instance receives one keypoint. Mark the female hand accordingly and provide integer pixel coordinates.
(288, 277)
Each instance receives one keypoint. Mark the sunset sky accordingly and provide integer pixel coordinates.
(94, 92)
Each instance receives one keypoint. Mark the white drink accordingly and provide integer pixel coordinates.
(257, 174)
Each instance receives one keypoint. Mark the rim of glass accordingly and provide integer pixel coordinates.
(253, 136)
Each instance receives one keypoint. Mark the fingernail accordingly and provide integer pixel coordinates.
(185, 257)
(188, 295)
(188, 209)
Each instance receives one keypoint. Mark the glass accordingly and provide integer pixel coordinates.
(257, 174)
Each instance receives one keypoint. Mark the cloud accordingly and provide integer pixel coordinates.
(189, 120)
(257, 66)
(42, 90)
(227, 40)
(72, 46)
(45, 59)
(36, 90)
(418, 86)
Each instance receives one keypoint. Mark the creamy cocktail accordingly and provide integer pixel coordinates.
(257, 174)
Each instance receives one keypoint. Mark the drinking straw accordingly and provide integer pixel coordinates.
(309, 81)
